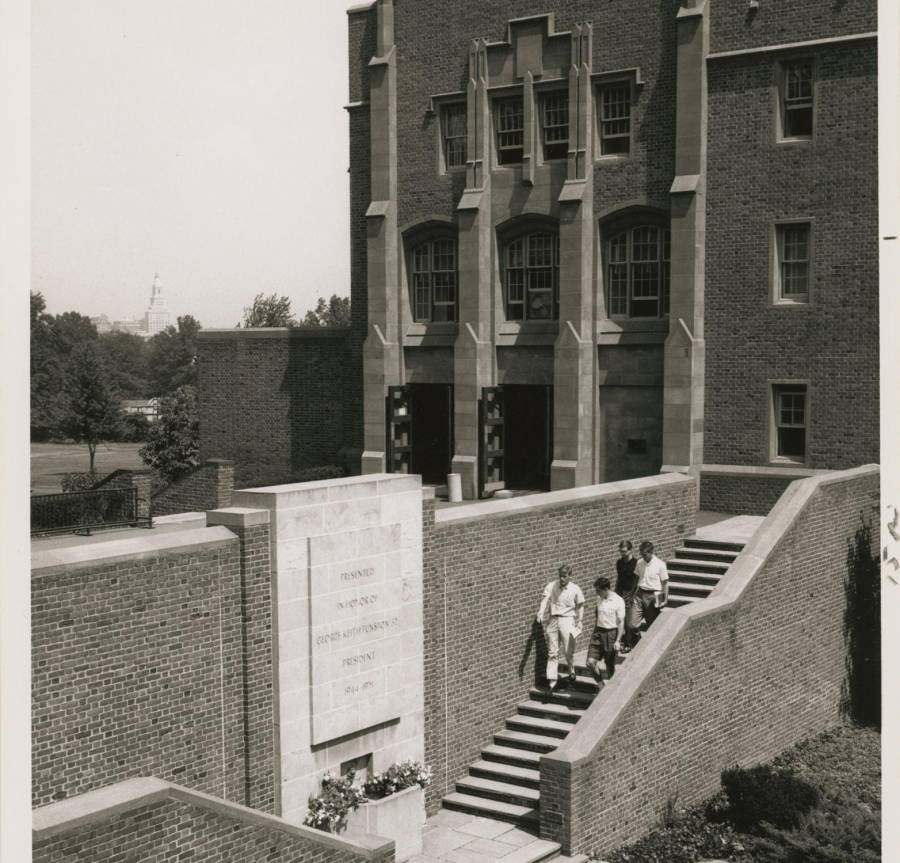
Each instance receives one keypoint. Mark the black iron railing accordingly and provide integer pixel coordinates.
(84, 511)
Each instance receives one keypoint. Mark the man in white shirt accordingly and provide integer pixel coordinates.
(560, 612)
(606, 639)
(652, 588)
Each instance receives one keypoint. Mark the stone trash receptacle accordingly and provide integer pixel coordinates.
(400, 817)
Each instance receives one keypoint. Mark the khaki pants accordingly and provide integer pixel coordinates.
(560, 631)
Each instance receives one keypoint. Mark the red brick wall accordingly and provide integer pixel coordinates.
(167, 830)
(272, 401)
(734, 27)
(734, 686)
(833, 342)
(482, 586)
(146, 666)
(210, 486)
(741, 494)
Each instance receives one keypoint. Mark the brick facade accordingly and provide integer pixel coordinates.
(154, 662)
(483, 583)
(759, 667)
(209, 486)
(273, 401)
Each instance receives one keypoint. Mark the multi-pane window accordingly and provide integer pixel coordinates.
(531, 275)
(797, 100)
(510, 130)
(793, 262)
(615, 119)
(638, 273)
(434, 280)
(555, 121)
(453, 124)
(789, 405)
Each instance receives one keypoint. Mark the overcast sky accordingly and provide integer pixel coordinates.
(203, 138)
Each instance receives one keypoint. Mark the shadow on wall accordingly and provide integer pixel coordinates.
(537, 643)
(861, 695)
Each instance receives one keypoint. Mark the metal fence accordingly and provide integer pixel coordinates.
(84, 511)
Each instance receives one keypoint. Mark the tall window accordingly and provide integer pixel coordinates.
(793, 252)
(434, 280)
(797, 99)
(453, 126)
(638, 272)
(615, 119)
(555, 121)
(790, 420)
(510, 130)
(531, 276)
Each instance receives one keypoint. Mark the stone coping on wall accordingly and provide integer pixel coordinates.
(785, 472)
(274, 333)
(513, 505)
(584, 740)
(141, 545)
(333, 490)
(103, 804)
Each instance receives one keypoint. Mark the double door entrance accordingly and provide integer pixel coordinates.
(515, 427)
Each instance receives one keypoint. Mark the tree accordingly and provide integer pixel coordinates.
(173, 443)
(270, 311)
(47, 391)
(127, 358)
(73, 329)
(333, 313)
(172, 358)
(93, 412)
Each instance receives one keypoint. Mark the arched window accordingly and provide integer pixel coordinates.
(433, 269)
(637, 272)
(531, 276)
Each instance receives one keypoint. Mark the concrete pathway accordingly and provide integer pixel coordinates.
(724, 527)
(458, 837)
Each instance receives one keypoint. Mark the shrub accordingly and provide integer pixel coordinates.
(134, 428)
(80, 481)
(763, 794)
(328, 810)
(396, 778)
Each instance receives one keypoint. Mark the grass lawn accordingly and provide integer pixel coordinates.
(842, 764)
(50, 461)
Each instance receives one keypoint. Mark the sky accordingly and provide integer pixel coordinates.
(204, 139)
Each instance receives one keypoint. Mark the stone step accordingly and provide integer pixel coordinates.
(712, 544)
(584, 681)
(678, 574)
(505, 792)
(523, 815)
(539, 725)
(495, 752)
(561, 712)
(711, 554)
(499, 772)
(691, 564)
(521, 740)
(535, 852)
(684, 588)
(577, 858)
(678, 601)
(579, 697)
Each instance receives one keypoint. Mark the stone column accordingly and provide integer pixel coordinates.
(473, 366)
(382, 358)
(575, 368)
(684, 349)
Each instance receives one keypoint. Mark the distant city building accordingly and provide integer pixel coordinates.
(154, 321)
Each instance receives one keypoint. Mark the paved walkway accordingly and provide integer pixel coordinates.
(724, 527)
(457, 837)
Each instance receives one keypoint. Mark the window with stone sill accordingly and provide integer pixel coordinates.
(453, 130)
(792, 267)
(637, 272)
(531, 276)
(434, 279)
(796, 100)
(510, 120)
(555, 124)
(615, 119)
(789, 422)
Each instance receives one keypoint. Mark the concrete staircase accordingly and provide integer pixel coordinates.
(697, 567)
(505, 783)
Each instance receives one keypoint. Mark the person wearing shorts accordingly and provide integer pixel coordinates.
(609, 624)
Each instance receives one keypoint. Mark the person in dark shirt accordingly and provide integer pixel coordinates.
(626, 586)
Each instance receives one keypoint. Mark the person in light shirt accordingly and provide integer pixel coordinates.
(560, 613)
(609, 624)
(652, 588)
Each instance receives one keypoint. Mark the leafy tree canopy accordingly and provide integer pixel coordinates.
(173, 443)
(331, 313)
(47, 391)
(173, 357)
(127, 358)
(268, 311)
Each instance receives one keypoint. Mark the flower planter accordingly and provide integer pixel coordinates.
(400, 817)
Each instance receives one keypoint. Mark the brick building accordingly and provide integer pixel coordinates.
(591, 241)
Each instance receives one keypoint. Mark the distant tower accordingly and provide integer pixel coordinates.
(156, 318)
